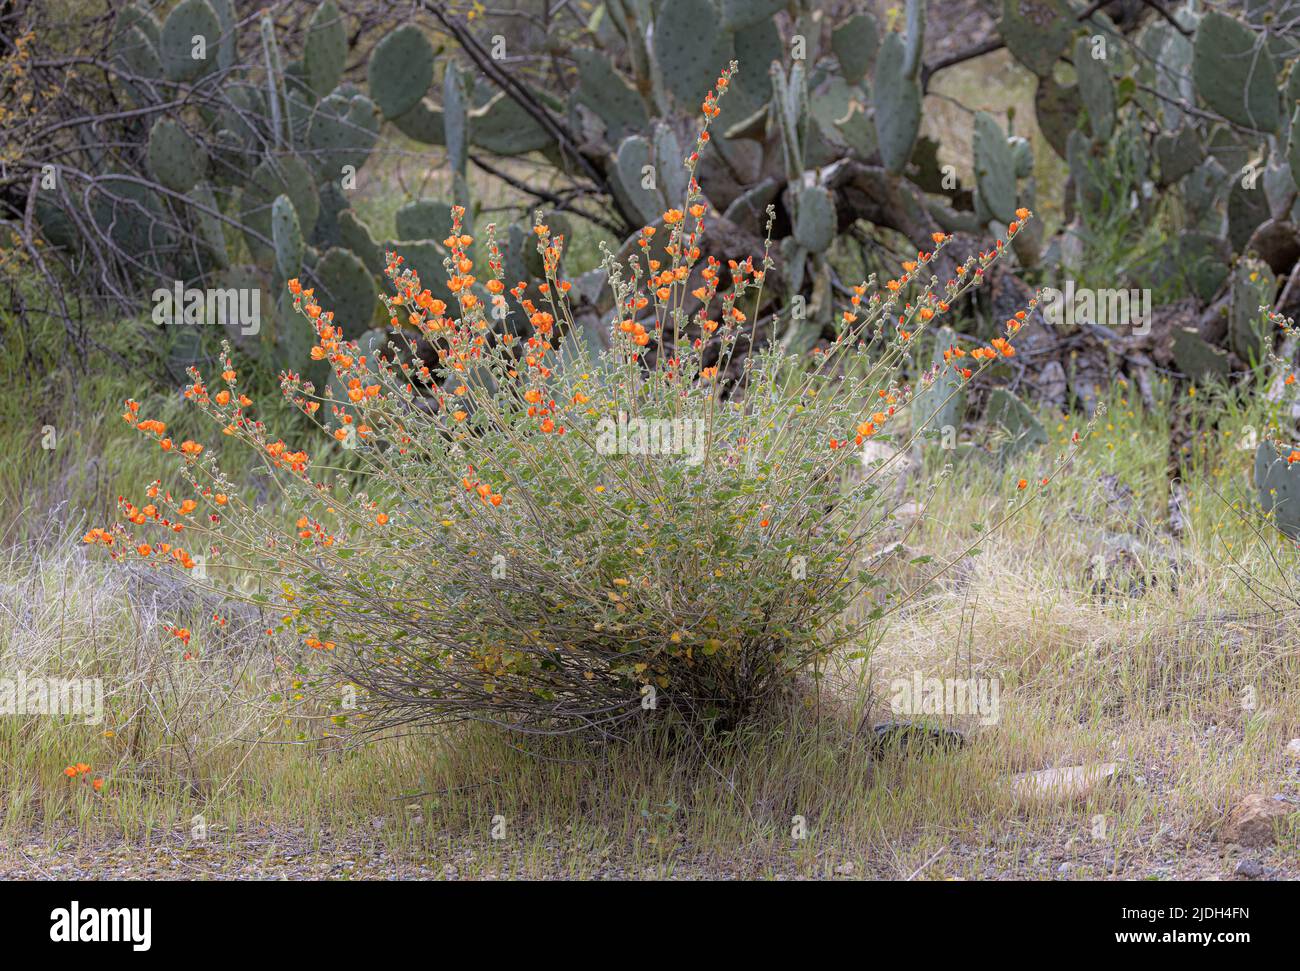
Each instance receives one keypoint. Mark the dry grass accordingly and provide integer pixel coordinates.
(1152, 670)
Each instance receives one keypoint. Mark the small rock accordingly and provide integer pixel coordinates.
(906, 736)
(908, 513)
(1293, 748)
(845, 869)
(1064, 784)
(1251, 822)
(1249, 869)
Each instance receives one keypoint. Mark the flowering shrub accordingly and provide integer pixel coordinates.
(554, 538)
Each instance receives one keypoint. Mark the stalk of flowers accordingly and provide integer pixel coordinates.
(501, 550)
(1285, 392)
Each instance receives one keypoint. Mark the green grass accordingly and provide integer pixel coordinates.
(1154, 680)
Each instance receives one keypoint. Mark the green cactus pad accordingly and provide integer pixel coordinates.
(1024, 431)
(424, 219)
(897, 100)
(422, 123)
(134, 54)
(995, 168)
(287, 237)
(1293, 146)
(1037, 32)
(749, 210)
(326, 49)
(455, 119)
(210, 229)
(671, 166)
(189, 19)
(855, 43)
(283, 175)
(626, 177)
(227, 50)
(174, 158)
(739, 14)
(132, 15)
(1178, 153)
(604, 91)
(1278, 485)
(342, 132)
(1096, 89)
(1247, 209)
(1251, 284)
(1057, 107)
(400, 70)
(354, 235)
(815, 223)
(1234, 72)
(1197, 359)
(348, 289)
(943, 403)
(130, 215)
(690, 49)
(504, 127)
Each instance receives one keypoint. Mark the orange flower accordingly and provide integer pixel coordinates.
(1021, 484)
(382, 519)
(98, 784)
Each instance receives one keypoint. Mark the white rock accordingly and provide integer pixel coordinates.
(1063, 784)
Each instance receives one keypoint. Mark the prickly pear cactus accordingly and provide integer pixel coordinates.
(689, 49)
(634, 179)
(189, 40)
(326, 49)
(1234, 72)
(855, 43)
(174, 157)
(342, 132)
(1277, 481)
(896, 96)
(995, 168)
(1037, 32)
(286, 235)
(400, 70)
(349, 290)
(940, 407)
(504, 127)
(1096, 89)
(814, 226)
(1250, 286)
(1023, 430)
